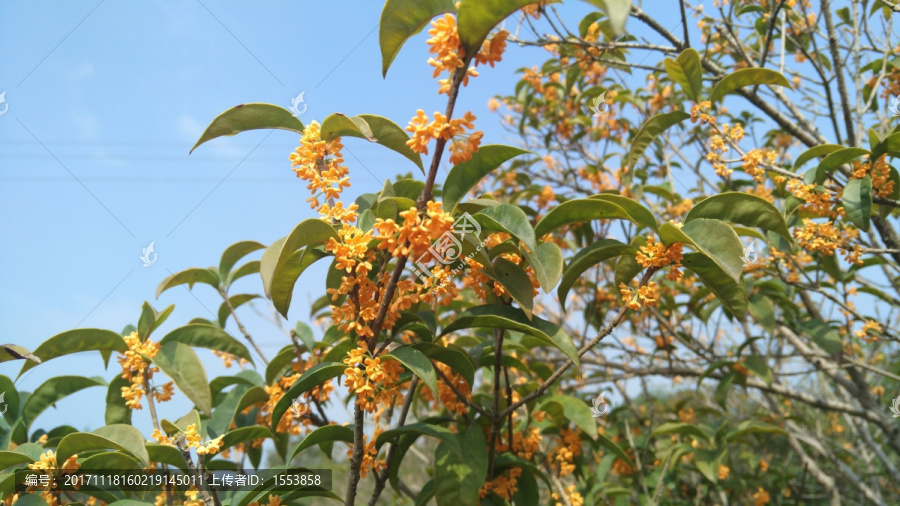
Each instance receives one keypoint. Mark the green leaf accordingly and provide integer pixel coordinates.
(687, 71)
(8, 458)
(165, 454)
(241, 118)
(392, 136)
(283, 262)
(617, 11)
(209, 337)
(823, 335)
(478, 18)
(305, 333)
(516, 282)
(753, 427)
(638, 213)
(15, 352)
(714, 238)
(236, 301)
(321, 435)
(74, 341)
(400, 20)
(457, 479)
(763, 311)
(245, 434)
(179, 362)
(613, 447)
(649, 131)
(443, 434)
(464, 176)
(51, 391)
(111, 437)
(547, 262)
(234, 253)
(340, 125)
(686, 429)
(418, 363)
(458, 360)
(821, 150)
(313, 377)
(576, 211)
(572, 409)
(857, 200)
(600, 251)
(758, 366)
(251, 267)
(35, 500)
(746, 77)
(742, 208)
(189, 277)
(506, 317)
(835, 160)
(510, 219)
(116, 410)
(730, 293)
(626, 266)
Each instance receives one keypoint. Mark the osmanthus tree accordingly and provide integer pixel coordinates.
(469, 322)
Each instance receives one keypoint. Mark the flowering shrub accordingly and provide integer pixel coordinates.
(470, 381)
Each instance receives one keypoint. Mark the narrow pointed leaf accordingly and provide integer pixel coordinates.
(241, 118)
(746, 77)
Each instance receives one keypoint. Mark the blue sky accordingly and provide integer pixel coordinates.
(105, 100)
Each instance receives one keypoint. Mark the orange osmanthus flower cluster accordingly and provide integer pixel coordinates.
(562, 456)
(503, 485)
(320, 163)
(49, 465)
(444, 44)
(879, 171)
(192, 437)
(462, 145)
(370, 454)
(657, 255)
(826, 238)
(135, 370)
(446, 395)
(372, 379)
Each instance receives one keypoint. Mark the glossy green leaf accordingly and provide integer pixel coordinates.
(547, 262)
(51, 391)
(648, 133)
(626, 266)
(466, 175)
(743, 208)
(510, 219)
(340, 125)
(179, 362)
(438, 432)
(241, 118)
(165, 454)
(823, 335)
(111, 437)
(458, 360)
(189, 277)
(400, 20)
(235, 253)
(457, 479)
(638, 213)
(572, 409)
(600, 251)
(687, 71)
(747, 77)
(748, 427)
(713, 238)
(74, 341)
(685, 429)
(245, 434)
(814, 152)
(516, 282)
(835, 160)
(477, 18)
(116, 410)
(392, 136)
(506, 317)
(209, 337)
(8, 458)
(730, 293)
(321, 435)
(857, 200)
(283, 261)
(311, 378)
(576, 211)
(418, 363)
